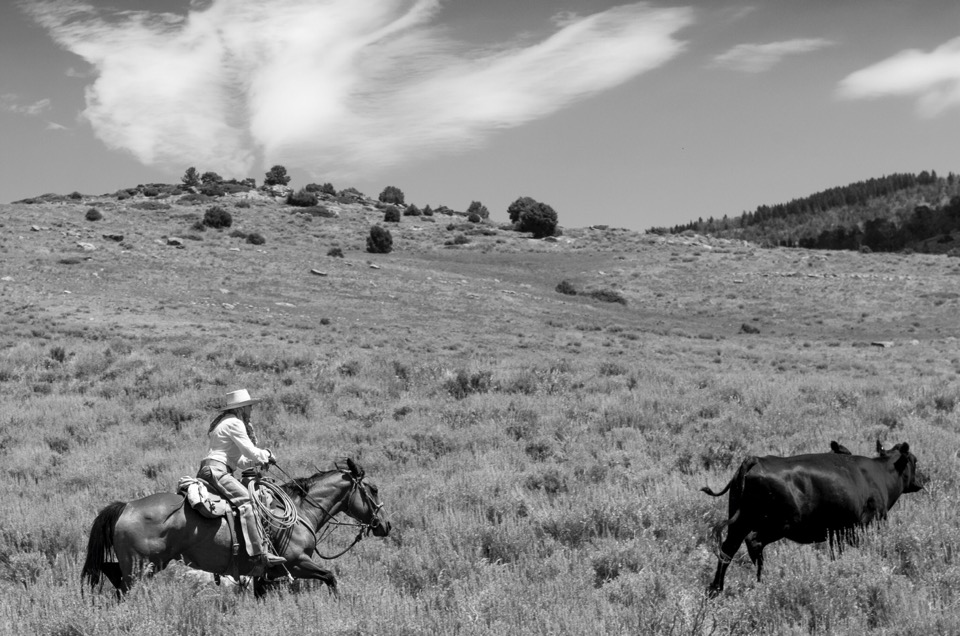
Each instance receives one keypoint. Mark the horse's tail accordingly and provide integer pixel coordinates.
(100, 544)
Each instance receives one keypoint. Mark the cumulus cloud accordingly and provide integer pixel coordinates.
(932, 78)
(12, 103)
(756, 58)
(338, 87)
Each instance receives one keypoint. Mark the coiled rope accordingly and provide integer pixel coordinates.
(279, 518)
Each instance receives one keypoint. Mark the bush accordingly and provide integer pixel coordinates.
(607, 296)
(213, 189)
(464, 384)
(474, 217)
(427, 211)
(193, 199)
(479, 209)
(276, 176)
(76, 196)
(255, 238)
(319, 210)
(459, 239)
(217, 217)
(392, 194)
(93, 214)
(243, 203)
(565, 287)
(391, 214)
(336, 252)
(326, 188)
(302, 198)
(380, 240)
(151, 205)
(532, 216)
(412, 210)
(210, 177)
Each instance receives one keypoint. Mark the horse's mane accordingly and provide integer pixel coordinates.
(300, 485)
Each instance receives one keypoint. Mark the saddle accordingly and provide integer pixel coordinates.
(199, 497)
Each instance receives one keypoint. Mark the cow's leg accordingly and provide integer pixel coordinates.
(737, 531)
(755, 550)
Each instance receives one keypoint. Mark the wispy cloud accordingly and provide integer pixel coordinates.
(338, 87)
(933, 78)
(756, 58)
(12, 103)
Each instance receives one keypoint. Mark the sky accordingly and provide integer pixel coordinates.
(629, 115)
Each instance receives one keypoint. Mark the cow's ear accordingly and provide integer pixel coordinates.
(901, 463)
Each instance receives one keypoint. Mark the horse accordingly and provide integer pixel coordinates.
(159, 528)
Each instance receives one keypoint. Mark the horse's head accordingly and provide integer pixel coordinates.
(363, 502)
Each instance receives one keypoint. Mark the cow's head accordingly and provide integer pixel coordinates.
(906, 465)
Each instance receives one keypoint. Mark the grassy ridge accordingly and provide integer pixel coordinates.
(539, 454)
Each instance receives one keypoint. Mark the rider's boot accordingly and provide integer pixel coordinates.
(261, 559)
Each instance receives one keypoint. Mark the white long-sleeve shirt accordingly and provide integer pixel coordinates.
(230, 444)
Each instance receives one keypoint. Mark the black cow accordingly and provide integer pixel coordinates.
(808, 499)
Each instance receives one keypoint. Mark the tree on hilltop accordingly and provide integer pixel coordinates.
(392, 194)
(191, 178)
(529, 215)
(479, 209)
(277, 176)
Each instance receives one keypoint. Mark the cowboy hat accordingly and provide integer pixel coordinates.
(236, 399)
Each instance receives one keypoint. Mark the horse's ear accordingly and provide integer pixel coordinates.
(355, 470)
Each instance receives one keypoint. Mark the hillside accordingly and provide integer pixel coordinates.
(891, 213)
(540, 453)
(191, 273)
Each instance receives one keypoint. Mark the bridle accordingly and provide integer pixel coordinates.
(363, 529)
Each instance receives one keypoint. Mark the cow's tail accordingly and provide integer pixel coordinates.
(738, 478)
(710, 491)
(100, 543)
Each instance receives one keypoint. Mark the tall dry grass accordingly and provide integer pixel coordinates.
(557, 493)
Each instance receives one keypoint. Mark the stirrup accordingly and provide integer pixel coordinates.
(272, 559)
(263, 562)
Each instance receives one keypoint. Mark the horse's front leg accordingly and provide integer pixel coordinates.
(304, 568)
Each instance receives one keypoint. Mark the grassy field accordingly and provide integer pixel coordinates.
(540, 454)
